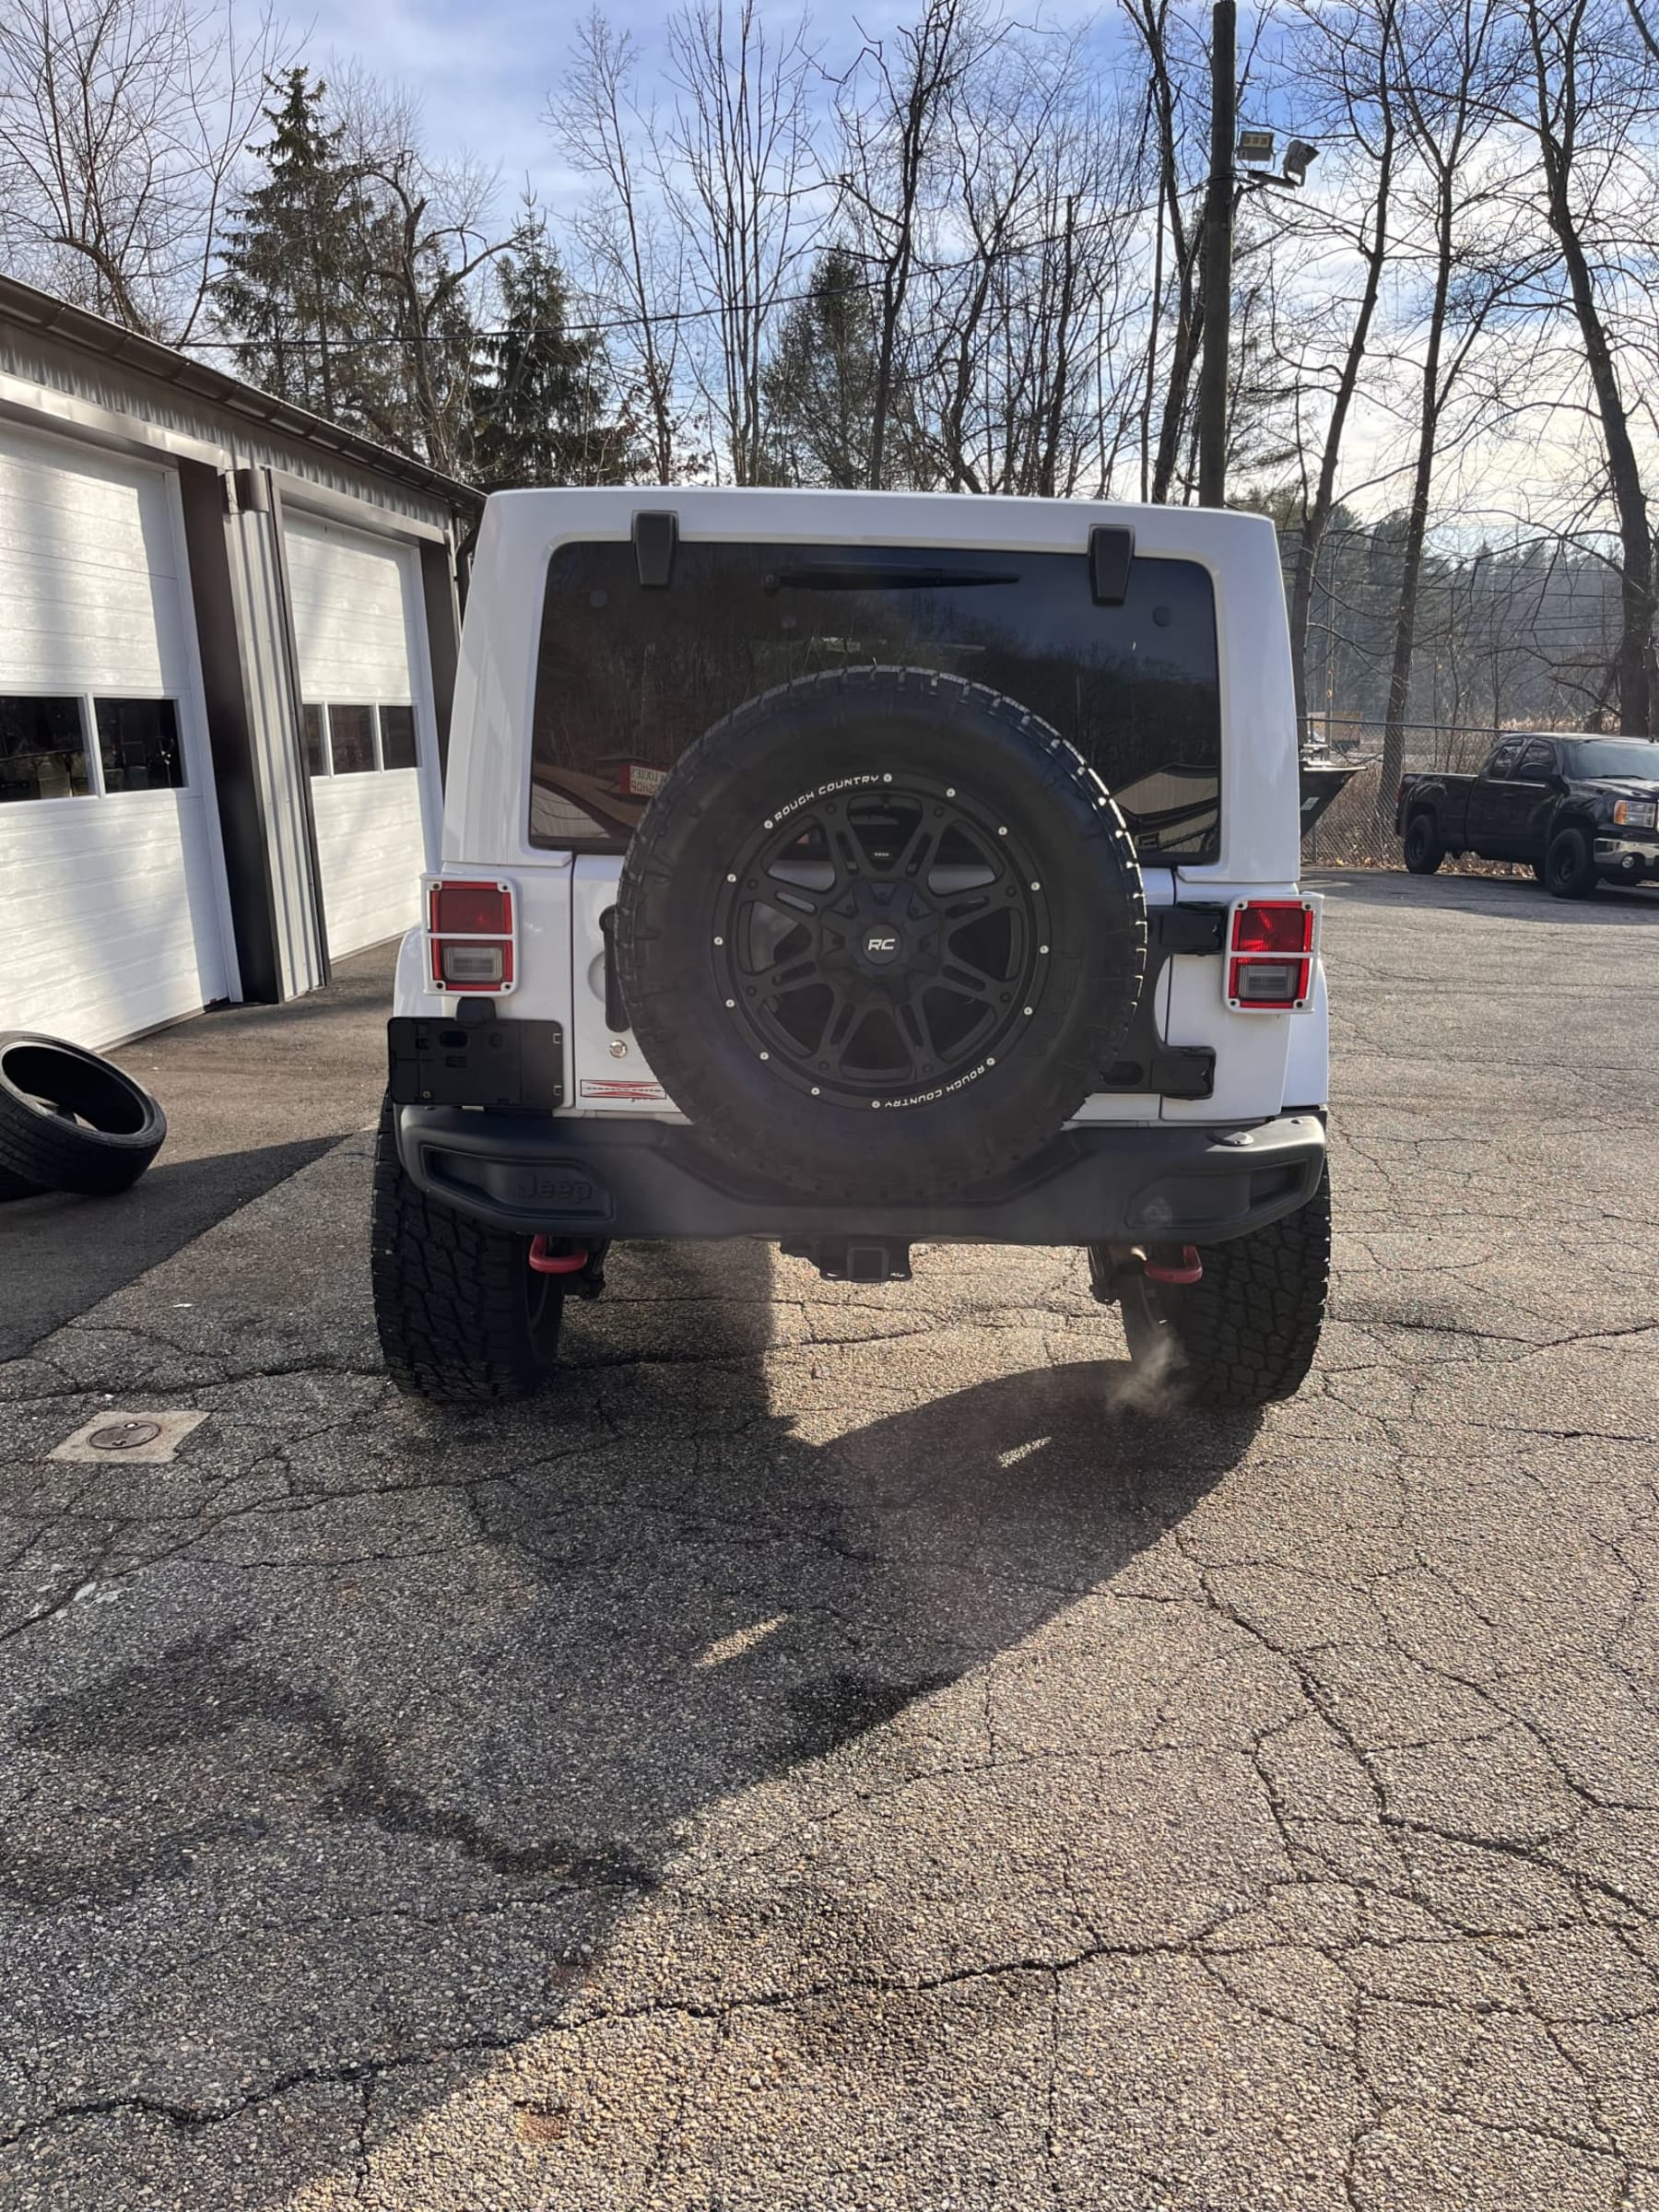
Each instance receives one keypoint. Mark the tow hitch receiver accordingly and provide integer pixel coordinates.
(855, 1259)
(1189, 1269)
(1112, 1266)
(543, 1262)
(581, 1266)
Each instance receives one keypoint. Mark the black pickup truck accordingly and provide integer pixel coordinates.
(1581, 810)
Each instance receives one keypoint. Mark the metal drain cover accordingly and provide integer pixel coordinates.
(116, 1434)
(124, 1436)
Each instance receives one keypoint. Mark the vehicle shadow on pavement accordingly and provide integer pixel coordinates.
(413, 1749)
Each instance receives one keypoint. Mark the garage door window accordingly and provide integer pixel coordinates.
(397, 737)
(43, 749)
(138, 744)
(357, 740)
(351, 739)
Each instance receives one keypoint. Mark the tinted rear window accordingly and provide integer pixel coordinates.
(627, 678)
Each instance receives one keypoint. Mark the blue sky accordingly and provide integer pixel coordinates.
(482, 69)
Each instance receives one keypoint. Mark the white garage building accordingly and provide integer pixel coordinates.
(228, 635)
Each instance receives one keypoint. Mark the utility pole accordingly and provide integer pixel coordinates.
(1217, 256)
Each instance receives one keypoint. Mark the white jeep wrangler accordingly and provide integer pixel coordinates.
(850, 870)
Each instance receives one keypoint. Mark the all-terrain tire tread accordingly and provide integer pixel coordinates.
(449, 1295)
(1250, 1327)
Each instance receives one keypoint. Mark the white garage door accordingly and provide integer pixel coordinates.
(358, 625)
(112, 906)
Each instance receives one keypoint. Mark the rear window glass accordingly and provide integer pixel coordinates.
(627, 678)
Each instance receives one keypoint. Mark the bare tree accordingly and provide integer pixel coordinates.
(1348, 56)
(1058, 288)
(121, 124)
(888, 140)
(741, 186)
(634, 272)
(1177, 240)
(1451, 70)
(428, 243)
(1589, 91)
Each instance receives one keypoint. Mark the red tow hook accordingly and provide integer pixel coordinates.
(544, 1261)
(1191, 1269)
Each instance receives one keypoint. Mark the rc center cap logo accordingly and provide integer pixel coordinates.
(882, 944)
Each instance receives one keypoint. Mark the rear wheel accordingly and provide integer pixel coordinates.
(1246, 1332)
(1569, 865)
(463, 1317)
(1424, 851)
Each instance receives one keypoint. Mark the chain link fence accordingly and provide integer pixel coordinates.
(1356, 830)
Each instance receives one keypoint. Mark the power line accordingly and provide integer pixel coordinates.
(656, 317)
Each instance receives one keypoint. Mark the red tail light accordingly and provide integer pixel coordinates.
(1271, 954)
(469, 931)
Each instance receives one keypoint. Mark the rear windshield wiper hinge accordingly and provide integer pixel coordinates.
(655, 542)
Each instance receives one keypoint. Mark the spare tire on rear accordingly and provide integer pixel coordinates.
(879, 933)
(70, 1120)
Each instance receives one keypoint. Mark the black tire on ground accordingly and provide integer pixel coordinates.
(879, 933)
(1424, 851)
(463, 1320)
(1246, 1334)
(18, 1186)
(1569, 865)
(70, 1120)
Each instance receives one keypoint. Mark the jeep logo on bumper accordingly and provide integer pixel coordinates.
(542, 1188)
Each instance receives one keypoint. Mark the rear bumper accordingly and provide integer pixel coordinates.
(588, 1177)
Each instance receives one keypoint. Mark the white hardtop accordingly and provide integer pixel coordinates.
(486, 814)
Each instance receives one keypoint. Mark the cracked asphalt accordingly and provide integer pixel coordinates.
(847, 1748)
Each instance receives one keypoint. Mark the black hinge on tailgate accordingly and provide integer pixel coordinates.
(471, 1059)
(1145, 1063)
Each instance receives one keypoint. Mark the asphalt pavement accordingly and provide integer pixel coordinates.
(850, 1748)
(251, 1093)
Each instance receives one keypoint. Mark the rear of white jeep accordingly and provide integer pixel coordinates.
(853, 871)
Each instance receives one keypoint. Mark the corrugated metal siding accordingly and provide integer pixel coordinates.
(105, 383)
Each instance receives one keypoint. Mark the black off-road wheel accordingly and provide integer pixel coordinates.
(1246, 1333)
(1569, 865)
(463, 1317)
(1424, 851)
(880, 933)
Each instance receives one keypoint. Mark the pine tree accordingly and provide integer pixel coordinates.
(540, 411)
(295, 278)
(819, 386)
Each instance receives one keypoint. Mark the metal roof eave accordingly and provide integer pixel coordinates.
(51, 317)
